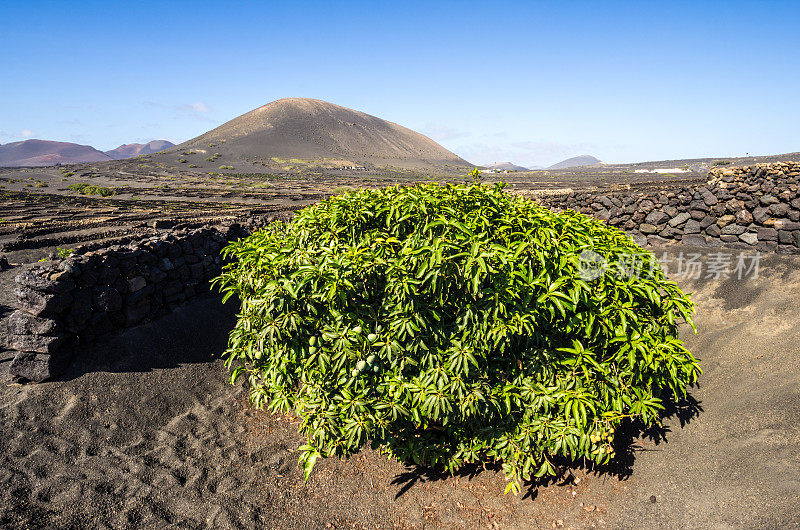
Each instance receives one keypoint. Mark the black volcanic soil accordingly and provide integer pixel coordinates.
(147, 433)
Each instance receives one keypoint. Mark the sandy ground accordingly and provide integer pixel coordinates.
(147, 433)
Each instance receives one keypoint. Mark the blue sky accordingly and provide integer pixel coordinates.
(528, 82)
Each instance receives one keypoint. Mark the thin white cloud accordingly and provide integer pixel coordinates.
(24, 133)
(196, 107)
(442, 133)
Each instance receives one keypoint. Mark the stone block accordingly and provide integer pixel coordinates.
(679, 219)
(22, 323)
(707, 221)
(38, 367)
(37, 303)
(44, 282)
(749, 237)
(135, 313)
(779, 209)
(725, 220)
(107, 299)
(760, 214)
(35, 343)
(656, 217)
(696, 240)
(785, 237)
(692, 227)
(767, 234)
(743, 217)
(713, 231)
(136, 283)
(734, 229)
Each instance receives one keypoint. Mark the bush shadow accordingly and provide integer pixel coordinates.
(195, 332)
(683, 410)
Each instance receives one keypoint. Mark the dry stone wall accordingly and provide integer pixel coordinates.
(64, 305)
(755, 207)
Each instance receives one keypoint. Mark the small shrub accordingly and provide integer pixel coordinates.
(453, 325)
(90, 189)
(64, 253)
(722, 163)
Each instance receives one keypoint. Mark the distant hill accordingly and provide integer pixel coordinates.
(310, 129)
(575, 161)
(47, 153)
(506, 166)
(131, 150)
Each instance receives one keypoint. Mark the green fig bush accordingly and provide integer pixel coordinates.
(455, 324)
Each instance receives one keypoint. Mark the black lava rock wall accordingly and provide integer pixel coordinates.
(64, 305)
(756, 207)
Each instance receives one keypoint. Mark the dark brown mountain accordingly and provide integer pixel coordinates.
(310, 129)
(47, 153)
(131, 150)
